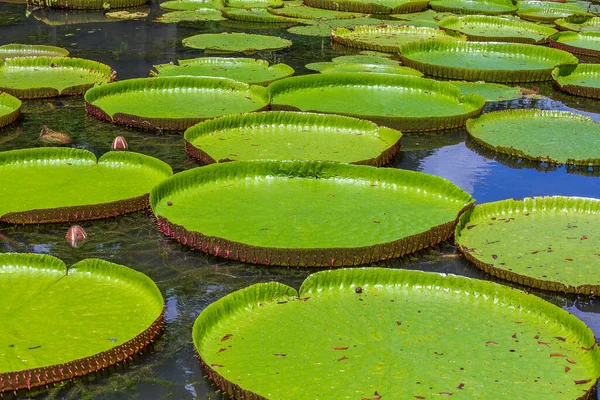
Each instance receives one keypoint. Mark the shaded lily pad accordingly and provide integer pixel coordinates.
(235, 42)
(200, 14)
(578, 23)
(60, 323)
(253, 3)
(489, 91)
(371, 68)
(304, 12)
(547, 136)
(407, 211)
(74, 184)
(190, 5)
(292, 136)
(580, 80)
(388, 38)
(358, 59)
(324, 27)
(560, 253)
(28, 50)
(126, 15)
(484, 61)
(86, 4)
(36, 77)
(256, 15)
(443, 335)
(370, 6)
(172, 103)
(10, 109)
(496, 29)
(548, 11)
(408, 103)
(586, 43)
(484, 7)
(427, 18)
(248, 70)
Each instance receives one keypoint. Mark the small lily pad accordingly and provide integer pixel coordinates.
(10, 109)
(27, 50)
(581, 80)
(235, 42)
(586, 43)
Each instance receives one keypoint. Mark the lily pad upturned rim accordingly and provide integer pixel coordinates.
(348, 281)
(366, 7)
(453, 23)
(371, 68)
(26, 379)
(527, 114)
(510, 7)
(559, 73)
(14, 104)
(505, 208)
(281, 43)
(278, 118)
(568, 24)
(561, 41)
(535, 13)
(474, 74)
(168, 82)
(81, 212)
(86, 4)
(33, 50)
(306, 257)
(402, 123)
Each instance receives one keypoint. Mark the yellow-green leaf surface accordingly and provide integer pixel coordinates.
(10, 108)
(28, 50)
(580, 80)
(235, 42)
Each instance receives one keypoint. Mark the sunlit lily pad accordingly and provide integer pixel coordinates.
(548, 11)
(291, 136)
(256, 15)
(371, 68)
(586, 43)
(253, 3)
(561, 250)
(304, 12)
(235, 42)
(248, 70)
(427, 18)
(408, 103)
(201, 14)
(484, 7)
(190, 5)
(370, 6)
(172, 103)
(485, 61)
(581, 80)
(548, 136)
(496, 29)
(86, 4)
(388, 38)
(28, 50)
(74, 184)
(489, 91)
(314, 213)
(58, 323)
(323, 28)
(579, 24)
(10, 109)
(35, 77)
(374, 333)
(357, 59)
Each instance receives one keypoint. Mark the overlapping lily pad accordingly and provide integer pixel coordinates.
(580, 80)
(357, 59)
(548, 11)
(579, 23)
(292, 136)
(489, 91)
(496, 29)
(371, 68)
(190, 5)
(304, 12)
(484, 7)
(561, 250)
(28, 50)
(198, 15)
(370, 6)
(10, 109)
(64, 184)
(387, 38)
(86, 4)
(408, 103)
(260, 15)
(314, 213)
(249, 70)
(58, 323)
(378, 333)
(37, 77)
(548, 136)
(253, 3)
(586, 43)
(483, 61)
(323, 28)
(235, 42)
(172, 103)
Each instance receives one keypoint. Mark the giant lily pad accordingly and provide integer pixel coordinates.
(29, 78)
(408, 103)
(548, 136)
(483, 61)
(388, 38)
(292, 136)
(87, 4)
(480, 28)
(249, 70)
(28, 50)
(586, 43)
(357, 59)
(489, 91)
(64, 184)
(370, 6)
(581, 80)
(253, 3)
(314, 213)
(191, 5)
(172, 103)
(548, 11)
(260, 15)
(324, 27)
(371, 68)
(485, 7)
(579, 24)
(304, 12)
(10, 108)
(378, 333)
(561, 250)
(198, 15)
(235, 42)
(57, 324)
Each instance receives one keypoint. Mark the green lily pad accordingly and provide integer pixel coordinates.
(248, 70)
(580, 80)
(369, 333)
(172, 103)
(329, 225)
(496, 29)
(388, 38)
(304, 12)
(10, 109)
(253, 3)
(586, 43)
(235, 42)
(191, 5)
(484, 61)
(370, 6)
(548, 11)
(75, 185)
(60, 323)
(261, 15)
(489, 91)
(408, 103)
(292, 136)
(484, 7)
(578, 23)
(371, 68)
(548, 136)
(358, 59)
(561, 250)
(372, 53)
(323, 28)
(28, 50)
(36, 77)
(200, 14)
(427, 18)
(86, 4)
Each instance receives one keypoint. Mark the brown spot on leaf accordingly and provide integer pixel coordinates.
(514, 335)
(339, 347)
(304, 298)
(471, 226)
(222, 349)
(536, 337)
(490, 342)
(343, 358)
(567, 369)
(446, 394)
(398, 323)
(584, 237)
(226, 337)
(494, 256)
(543, 342)
(568, 259)
(582, 381)
(216, 365)
(281, 302)
(571, 361)
(462, 385)
(556, 355)
(279, 355)
(535, 252)
(562, 339)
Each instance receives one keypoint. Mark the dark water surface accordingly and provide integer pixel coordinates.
(189, 280)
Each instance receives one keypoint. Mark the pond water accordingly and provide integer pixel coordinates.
(189, 280)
